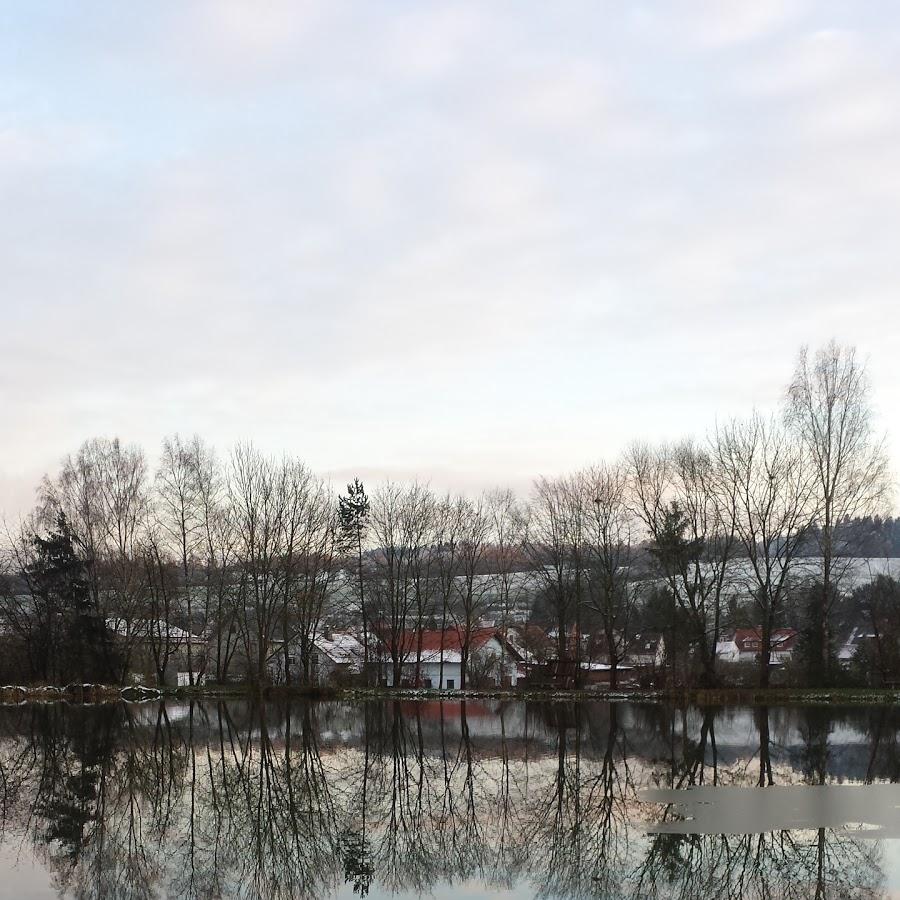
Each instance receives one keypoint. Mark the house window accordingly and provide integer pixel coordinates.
(451, 684)
(427, 682)
(291, 660)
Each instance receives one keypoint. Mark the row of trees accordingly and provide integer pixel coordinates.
(257, 554)
(241, 554)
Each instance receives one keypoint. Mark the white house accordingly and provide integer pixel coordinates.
(727, 651)
(436, 657)
(647, 648)
(747, 645)
(154, 641)
(340, 651)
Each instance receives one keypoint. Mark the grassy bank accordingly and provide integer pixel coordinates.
(95, 693)
(680, 697)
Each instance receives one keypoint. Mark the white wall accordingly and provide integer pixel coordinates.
(451, 670)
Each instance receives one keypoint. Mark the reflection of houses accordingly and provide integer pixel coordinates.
(746, 645)
(436, 658)
(151, 643)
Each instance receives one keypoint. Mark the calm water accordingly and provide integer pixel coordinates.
(482, 799)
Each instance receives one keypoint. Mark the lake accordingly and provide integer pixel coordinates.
(449, 800)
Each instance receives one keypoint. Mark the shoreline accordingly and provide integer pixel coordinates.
(17, 695)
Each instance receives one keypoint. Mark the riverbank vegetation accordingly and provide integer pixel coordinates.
(211, 569)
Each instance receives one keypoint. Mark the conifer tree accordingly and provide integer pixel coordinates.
(353, 516)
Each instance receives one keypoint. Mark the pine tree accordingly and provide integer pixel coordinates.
(353, 512)
(75, 640)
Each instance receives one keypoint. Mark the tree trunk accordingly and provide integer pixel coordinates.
(765, 650)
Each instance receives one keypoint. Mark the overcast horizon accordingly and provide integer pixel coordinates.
(469, 242)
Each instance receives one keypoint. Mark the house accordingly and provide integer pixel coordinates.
(530, 643)
(854, 642)
(601, 673)
(150, 642)
(334, 655)
(433, 659)
(748, 642)
(339, 653)
(646, 649)
(727, 650)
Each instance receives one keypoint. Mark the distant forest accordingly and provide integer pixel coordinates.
(869, 536)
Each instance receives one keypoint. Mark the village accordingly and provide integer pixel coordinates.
(495, 653)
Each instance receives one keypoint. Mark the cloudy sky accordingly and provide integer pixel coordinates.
(473, 241)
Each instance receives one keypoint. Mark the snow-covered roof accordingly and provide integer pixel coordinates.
(150, 628)
(851, 645)
(443, 645)
(603, 667)
(342, 648)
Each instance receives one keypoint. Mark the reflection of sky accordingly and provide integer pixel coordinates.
(534, 772)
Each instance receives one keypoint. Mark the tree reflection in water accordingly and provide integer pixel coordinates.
(306, 799)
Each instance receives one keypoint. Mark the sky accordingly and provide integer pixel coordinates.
(469, 241)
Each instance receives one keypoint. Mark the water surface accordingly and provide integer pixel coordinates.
(476, 799)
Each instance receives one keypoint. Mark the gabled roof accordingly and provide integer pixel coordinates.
(525, 640)
(780, 639)
(448, 644)
(145, 629)
(639, 641)
(342, 648)
(854, 640)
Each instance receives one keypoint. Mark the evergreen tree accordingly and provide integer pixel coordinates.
(676, 553)
(818, 668)
(74, 637)
(353, 519)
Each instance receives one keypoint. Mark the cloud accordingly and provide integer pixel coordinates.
(475, 242)
(721, 25)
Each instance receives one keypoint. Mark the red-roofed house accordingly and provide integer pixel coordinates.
(748, 644)
(433, 659)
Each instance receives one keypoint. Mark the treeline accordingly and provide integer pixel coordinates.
(257, 555)
(870, 536)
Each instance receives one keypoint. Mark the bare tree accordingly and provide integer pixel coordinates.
(510, 587)
(259, 499)
(180, 514)
(400, 521)
(222, 577)
(423, 562)
(313, 564)
(472, 590)
(691, 523)
(553, 536)
(829, 410)
(772, 487)
(103, 493)
(161, 585)
(609, 535)
(449, 524)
